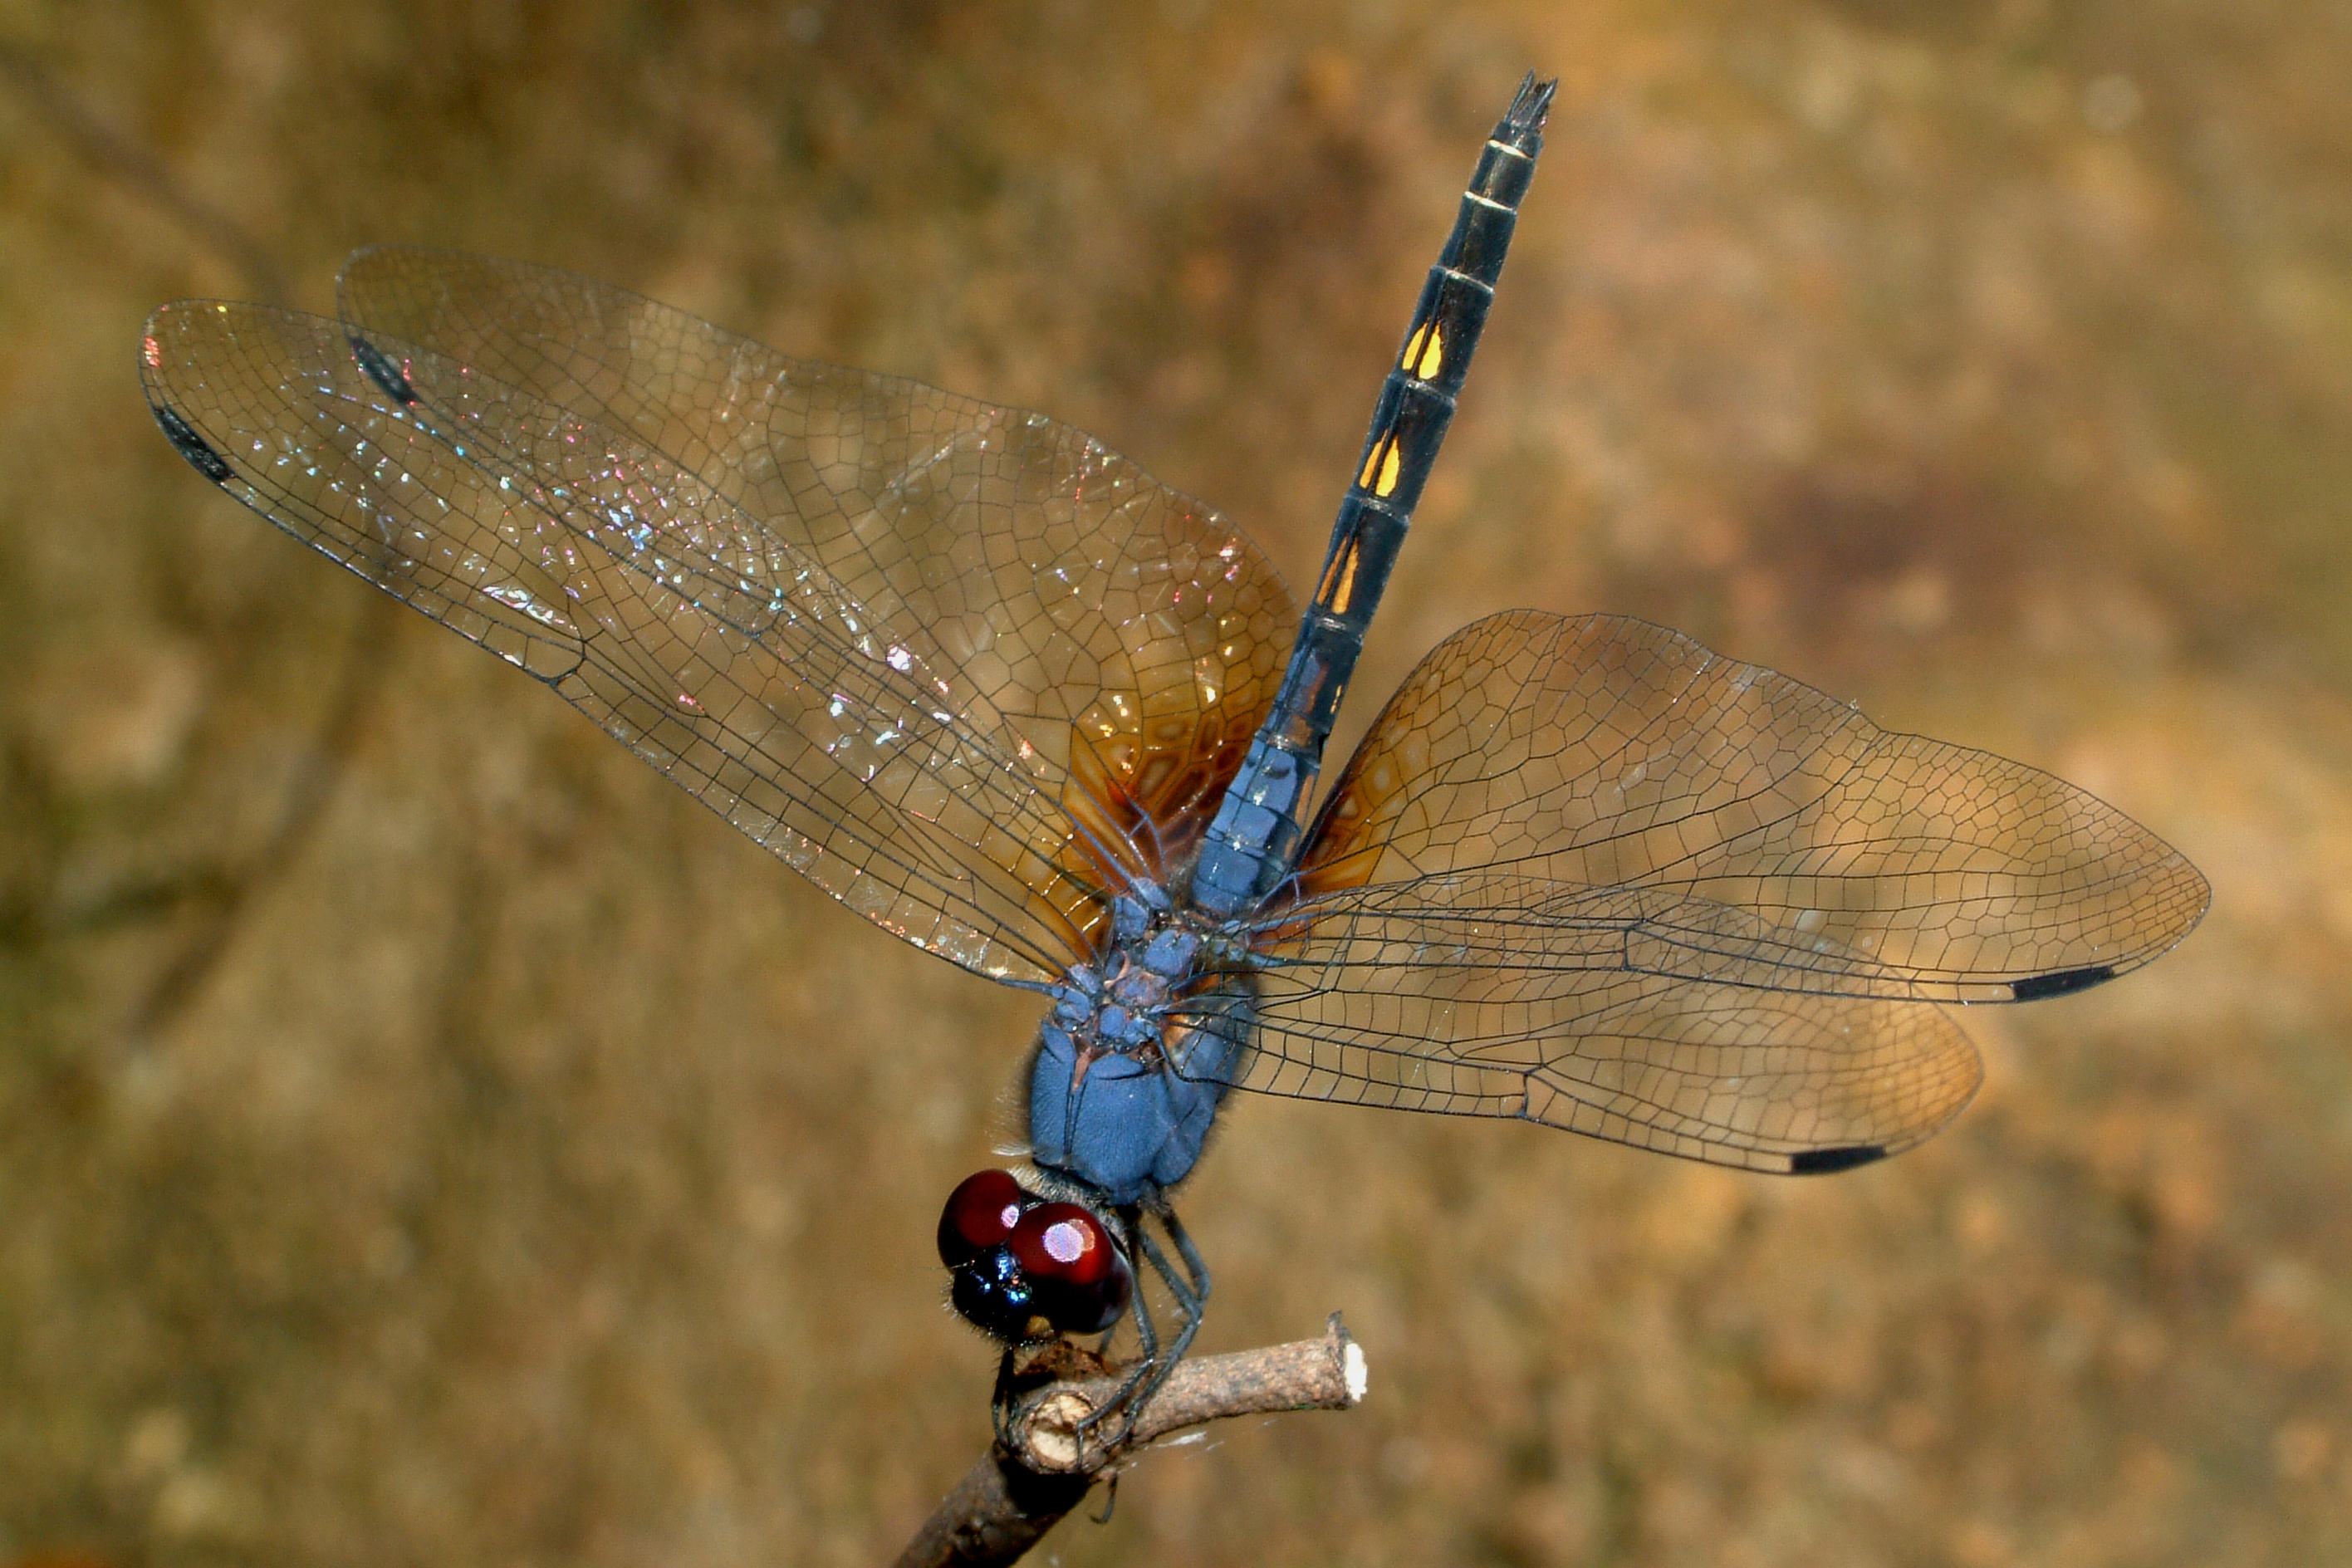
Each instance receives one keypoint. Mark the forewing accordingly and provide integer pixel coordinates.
(730, 661)
(1586, 872)
(1494, 993)
(1126, 635)
(1603, 752)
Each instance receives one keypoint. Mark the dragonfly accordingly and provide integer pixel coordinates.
(991, 685)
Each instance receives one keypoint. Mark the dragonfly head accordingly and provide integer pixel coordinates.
(1023, 1269)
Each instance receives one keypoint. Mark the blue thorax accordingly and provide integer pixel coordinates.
(1137, 1054)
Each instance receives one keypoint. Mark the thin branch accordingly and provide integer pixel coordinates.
(219, 895)
(1010, 1499)
(316, 774)
(119, 158)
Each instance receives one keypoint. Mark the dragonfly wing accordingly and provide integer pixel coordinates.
(1499, 993)
(1127, 635)
(1589, 873)
(1779, 838)
(734, 663)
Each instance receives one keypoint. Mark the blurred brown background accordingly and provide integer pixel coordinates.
(427, 1136)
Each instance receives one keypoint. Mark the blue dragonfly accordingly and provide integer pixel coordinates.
(995, 689)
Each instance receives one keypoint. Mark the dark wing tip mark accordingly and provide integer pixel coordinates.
(191, 445)
(384, 373)
(2064, 982)
(1827, 1162)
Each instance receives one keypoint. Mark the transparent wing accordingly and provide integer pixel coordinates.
(1494, 993)
(1128, 636)
(890, 758)
(1586, 872)
(1603, 752)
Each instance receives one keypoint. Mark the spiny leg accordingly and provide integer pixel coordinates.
(1191, 1295)
(1147, 1333)
(1148, 1372)
(1197, 1304)
(1189, 1291)
(1002, 1402)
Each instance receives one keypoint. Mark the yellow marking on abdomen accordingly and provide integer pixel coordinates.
(1340, 582)
(1385, 445)
(1425, 351)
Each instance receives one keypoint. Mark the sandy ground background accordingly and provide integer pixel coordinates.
(425, 1136)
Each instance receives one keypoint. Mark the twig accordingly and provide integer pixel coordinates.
(318, 772)
(118, 156)
(219, 895)
(1010, 1499)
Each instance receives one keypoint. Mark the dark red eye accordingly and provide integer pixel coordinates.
(1081, 1279)
(1063, 1242)
(981, 1213)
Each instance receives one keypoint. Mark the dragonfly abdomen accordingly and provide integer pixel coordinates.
(1253, 841)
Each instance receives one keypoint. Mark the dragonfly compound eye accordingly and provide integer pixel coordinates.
(1081, 1280)
(980, 1213)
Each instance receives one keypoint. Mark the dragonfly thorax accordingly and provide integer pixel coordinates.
(1134, 1058)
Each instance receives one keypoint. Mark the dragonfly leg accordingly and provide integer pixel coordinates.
(1147, 1332)
(1149, 1369)
(1198, 1268)
(1004, 1403)
(1189, 1291)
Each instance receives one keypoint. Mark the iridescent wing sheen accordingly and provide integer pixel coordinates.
(1588, 872)
(944, 733)
(1127, 635)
